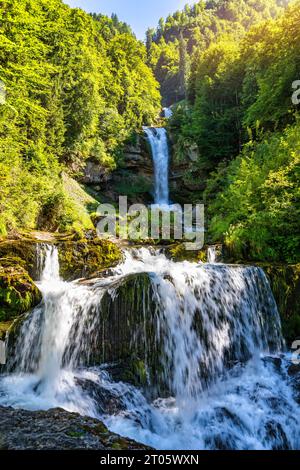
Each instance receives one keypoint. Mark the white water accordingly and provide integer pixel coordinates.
(211, 255)
(168, 113)
(160, 153)
(249, 406)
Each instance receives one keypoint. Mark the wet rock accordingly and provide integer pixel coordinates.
(285, 284)
(23, 251)
(57, 430)
(4, 328)
(276, 437)
(106, 401)
(294, 370)
(276, 363)
(221, 442)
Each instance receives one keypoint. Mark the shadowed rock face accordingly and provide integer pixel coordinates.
(285, 284)
(125, 332)
(57, 429)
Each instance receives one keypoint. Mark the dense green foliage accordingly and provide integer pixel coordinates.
(175, 46)
(241, 118)
(77, 86)
(258, 208)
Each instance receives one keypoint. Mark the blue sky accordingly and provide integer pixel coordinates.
(140, 14)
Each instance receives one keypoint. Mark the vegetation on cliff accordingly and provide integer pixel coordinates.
(241, 119)
(76, 87)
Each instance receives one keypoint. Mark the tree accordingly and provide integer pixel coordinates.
(183, 66)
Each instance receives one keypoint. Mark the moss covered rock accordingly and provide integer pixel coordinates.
(23, 250)
(4, 328)
(87, 258)
(178, 252)
(58, 429)
(18, 293)
(285, 284)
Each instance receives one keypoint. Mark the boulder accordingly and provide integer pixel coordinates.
(285, 283)
(57, 429)
(22, 250)
(87, 258)
(18, 292)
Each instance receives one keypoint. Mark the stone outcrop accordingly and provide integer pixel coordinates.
(95, 173)
(126, 332)
(285, 284)
(134, 176)
(22, 251)
(87, 258)
(18, 292)
(78, 258)
(57, 430)
(137, 156)
(186, 185)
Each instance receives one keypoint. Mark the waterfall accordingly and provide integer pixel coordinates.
(211, 255)
(160, 153)
(218, 334)
(168, 113)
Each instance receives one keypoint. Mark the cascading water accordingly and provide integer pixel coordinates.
(160, 153)
(211, 255)
(219, 333)
(168, 113)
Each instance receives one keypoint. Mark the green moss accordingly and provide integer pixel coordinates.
(4, 328)
(76, 434)
(285, 284)
(18, 293)
(178, 252)
(119, 446)
(134, 372)
(87, 258)
(21, 250)
(100, 429)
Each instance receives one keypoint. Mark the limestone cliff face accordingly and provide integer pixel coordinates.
(132, 178)
(95, 174)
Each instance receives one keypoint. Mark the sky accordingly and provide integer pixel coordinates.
(139, 14)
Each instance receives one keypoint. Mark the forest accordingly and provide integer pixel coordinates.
(76, 87)
(122, 343)
(235, 107)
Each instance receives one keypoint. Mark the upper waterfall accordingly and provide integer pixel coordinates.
(158, 140)
(168, 113)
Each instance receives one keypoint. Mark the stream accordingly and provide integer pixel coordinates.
(222, 358)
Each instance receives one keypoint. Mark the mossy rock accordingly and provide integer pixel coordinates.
(285, 284)
(87, 258)
(18, 293)
(22, 250)
(178, 252)
(4, 328)
(126, 336)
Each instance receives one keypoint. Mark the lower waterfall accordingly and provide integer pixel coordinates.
(218, 336)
